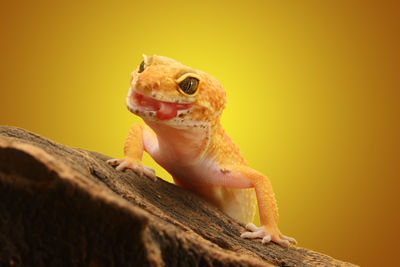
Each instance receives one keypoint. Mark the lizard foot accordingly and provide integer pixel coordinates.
(139, 168)
(267, 235)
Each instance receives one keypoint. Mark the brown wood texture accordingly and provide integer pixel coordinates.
(63, 206)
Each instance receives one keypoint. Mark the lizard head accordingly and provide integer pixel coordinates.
(166, 91)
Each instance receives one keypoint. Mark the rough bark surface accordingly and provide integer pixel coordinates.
(63, 206)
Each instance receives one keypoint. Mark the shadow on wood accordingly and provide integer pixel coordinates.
(62, 206)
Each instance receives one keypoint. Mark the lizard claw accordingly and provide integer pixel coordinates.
(267, 235)
(139, 168)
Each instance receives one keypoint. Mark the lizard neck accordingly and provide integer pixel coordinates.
(185, 146)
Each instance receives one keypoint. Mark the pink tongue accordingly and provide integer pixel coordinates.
(167, 111)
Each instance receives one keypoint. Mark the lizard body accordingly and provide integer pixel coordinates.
(181, 107)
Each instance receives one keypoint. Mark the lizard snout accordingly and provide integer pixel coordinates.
(147, 87)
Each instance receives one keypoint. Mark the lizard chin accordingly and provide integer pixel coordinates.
(146, 107)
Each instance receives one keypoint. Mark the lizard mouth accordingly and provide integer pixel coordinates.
(164, 110)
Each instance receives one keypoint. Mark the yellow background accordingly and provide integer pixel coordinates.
(313, 96)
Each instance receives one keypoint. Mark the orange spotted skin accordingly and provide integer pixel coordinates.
(183, 133)
(224, 150)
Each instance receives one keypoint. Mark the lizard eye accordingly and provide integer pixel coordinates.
(189, 85)
(141, 67)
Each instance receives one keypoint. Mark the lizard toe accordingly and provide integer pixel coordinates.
(267, 234)
(266, 239)
(252, 227)
(123, 165)
(257, 234)
(150, 172)
(288, 238)
(138, 168)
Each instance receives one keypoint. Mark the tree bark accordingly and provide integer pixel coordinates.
(63, 206)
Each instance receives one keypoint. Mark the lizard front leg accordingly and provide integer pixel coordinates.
(242, 176)
(140, 137)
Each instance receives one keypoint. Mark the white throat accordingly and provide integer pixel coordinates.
(181, 145)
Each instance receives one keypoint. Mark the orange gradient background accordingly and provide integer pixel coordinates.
(313, 96)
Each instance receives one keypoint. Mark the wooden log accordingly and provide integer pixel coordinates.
(63, 206)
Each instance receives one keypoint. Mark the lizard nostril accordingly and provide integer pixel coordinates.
(156, 85)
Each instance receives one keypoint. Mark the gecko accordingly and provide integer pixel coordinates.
(181, 108)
